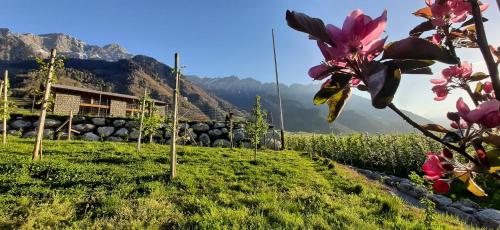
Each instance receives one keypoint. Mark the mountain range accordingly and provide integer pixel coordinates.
(112, 68)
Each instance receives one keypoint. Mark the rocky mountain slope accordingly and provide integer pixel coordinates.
(300, 113)
(14, 46)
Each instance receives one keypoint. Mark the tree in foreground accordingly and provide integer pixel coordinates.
(358, 56)
(257, 125)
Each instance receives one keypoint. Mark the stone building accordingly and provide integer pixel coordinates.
(89, 102)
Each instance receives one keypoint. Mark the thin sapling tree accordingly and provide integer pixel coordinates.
(257, 126)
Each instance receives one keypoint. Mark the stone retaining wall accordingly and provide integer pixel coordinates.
(213, 134)
(466, 210)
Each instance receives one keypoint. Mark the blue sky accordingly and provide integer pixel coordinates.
(222, 37)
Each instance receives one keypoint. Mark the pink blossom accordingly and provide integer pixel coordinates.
(441, 92)
(463, 125)
(441, 186)
(463, 71)
(451, 11)
(360, 35)
(436, 39)
(486, 114)
(487, 87)
(432, 167)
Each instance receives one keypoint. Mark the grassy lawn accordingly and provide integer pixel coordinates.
(110, 186)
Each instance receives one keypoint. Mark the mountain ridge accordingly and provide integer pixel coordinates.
(112, 68)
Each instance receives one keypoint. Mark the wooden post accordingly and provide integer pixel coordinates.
(142, 119)
(37, 151)
(5, 105)
(279, 96)
(70, 124)
(173, 157)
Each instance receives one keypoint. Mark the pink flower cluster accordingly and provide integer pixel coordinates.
(451, 11)
(436, 166)
(486, 114)
(358, 41)
(452, 76)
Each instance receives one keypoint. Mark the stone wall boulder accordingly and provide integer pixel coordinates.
(204, 140)
(20, 124)
(132, 124)
(123, 132)
(239, 135)
(29, 134)
(49, 123)
(84, 127)
(222, 143)
(114, 139)
(215, 133)
(219, 125)
(119, 123)
(489, 217)
(105, 131)
(134, 134)
(89, 136)
(99, 121)
(200, 127)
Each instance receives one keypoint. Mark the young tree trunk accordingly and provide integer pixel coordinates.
(70, 124)
(142, 120)
(5, 106)
(173, 155)
(43, 113)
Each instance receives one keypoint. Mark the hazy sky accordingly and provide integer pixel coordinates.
(228, 37)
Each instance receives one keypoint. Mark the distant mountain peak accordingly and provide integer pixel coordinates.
(16, 46)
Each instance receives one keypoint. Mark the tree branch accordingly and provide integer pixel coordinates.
(432, 136)
(482, 42)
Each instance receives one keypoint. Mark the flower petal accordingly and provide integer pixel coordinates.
(319, 72)
(375, 28)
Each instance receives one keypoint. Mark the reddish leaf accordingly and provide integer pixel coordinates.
(313, 26)
(413, 66)
(435, 128)
(383, 83)
(421, 28)
(417, 48)
(424, 12)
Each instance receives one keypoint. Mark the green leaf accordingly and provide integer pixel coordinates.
(421, 28)
(383, 83)
(336, 103)
(494, 159)
(478, 76)
(479, 87)
(338, 83)
(418, 48)
(313, 26)
(410, 66)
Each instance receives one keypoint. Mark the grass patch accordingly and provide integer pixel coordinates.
(111, 186)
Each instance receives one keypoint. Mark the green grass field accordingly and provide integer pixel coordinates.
(111, 186)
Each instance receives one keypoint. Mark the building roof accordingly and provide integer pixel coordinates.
(91, 91)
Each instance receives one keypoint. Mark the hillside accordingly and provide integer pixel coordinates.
(112, 68)
(358, 116)
(97, 185)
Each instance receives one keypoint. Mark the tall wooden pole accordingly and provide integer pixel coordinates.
(70, 124)
(279, 95)
(5, 105)
(43, 113)
(142, 119)
(173, 156)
